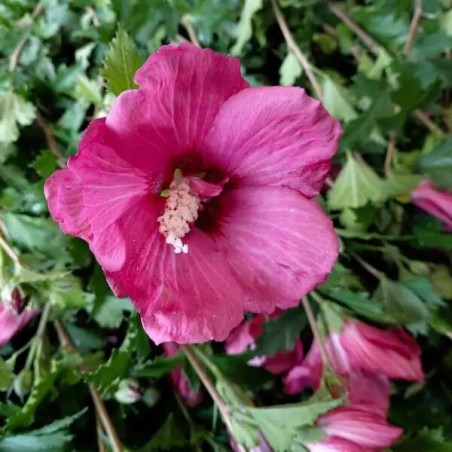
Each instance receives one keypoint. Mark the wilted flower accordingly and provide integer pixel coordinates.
(243, 338)
(14, 315)
(194, 194)
(366, 357)
(436, 202)
(189, 395)
(351, 429)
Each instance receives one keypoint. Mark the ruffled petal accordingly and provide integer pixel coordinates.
(280, 244)
(95, 189)
(391, 352)
(361, 427)
(182, 88)
(273, 136)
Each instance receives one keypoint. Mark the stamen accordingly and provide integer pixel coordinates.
(181, 211)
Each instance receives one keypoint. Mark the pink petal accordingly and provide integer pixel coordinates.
(368, 392)
(436, 202)
(180, 381)
(280, 244)
(297, 380)
(275, 136)
(335, 444)
(391, 352)
(190, 84)
(12, 321)
(361, 427)
(243, 337)
(283, 361)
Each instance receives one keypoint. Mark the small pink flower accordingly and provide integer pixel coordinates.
(359, 427)
(436, 202)
(365, 357)
(13, 317)
(180, 381)
(195, 195)
(243, 337)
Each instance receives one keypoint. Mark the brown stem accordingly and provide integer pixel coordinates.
(390, 152)
(415, 21)
(100, 443)
(295, 49)
(316, 332)
(17, 52)
(371, 269)
(101, 411)
(51, 142)
(423, 118)
(209, 385)
(191, 33)
(7, 248)
(362, 34)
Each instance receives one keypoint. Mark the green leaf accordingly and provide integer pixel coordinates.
(52, 437)
(159, 366)
(107, 377)
(41, 387)
(45, 164)
(170, 435)
(335, 100)
(400, 184)
(290, 70)
(244, 30)
(400, 303)
(356, 185)
(281, 425)
(120, 63)
(438, 163)
(6, 375)
(14, 111)
(281, 332)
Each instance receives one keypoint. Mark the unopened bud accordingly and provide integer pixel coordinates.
(128, 391)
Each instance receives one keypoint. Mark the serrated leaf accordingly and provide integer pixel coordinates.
(281, 425)
(170, 435)
(335, 100)
(438, 163)
(244, 30)
(290, 70)
(281, 332)
(400, 303)
(120, 63)
(159, 366)
(356, 185)
(14, 111)
(45, 164)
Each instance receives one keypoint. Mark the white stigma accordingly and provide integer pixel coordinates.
(181, 211)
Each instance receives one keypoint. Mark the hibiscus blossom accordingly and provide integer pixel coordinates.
(366, 358)
(194, 194)
(354, 430)
(436, 202)
(13, 317)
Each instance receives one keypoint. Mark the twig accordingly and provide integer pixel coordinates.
(191, 32)
(51, 143)
(423, 118)
(17, 52)
(372, 270)
(362, 34)
(390, 152)
(100, 443)
(210, 387)
(413, 27)
(316, 332)
(6, 247)
(295, 49)
(101, 411)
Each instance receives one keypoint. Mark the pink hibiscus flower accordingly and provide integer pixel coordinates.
(194, 194)
(243, 338)
(180, 381)
(436, 202)
(366, 358)
(13, 317)
(350, 430)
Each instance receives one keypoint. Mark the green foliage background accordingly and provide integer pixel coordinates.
(62, 63)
